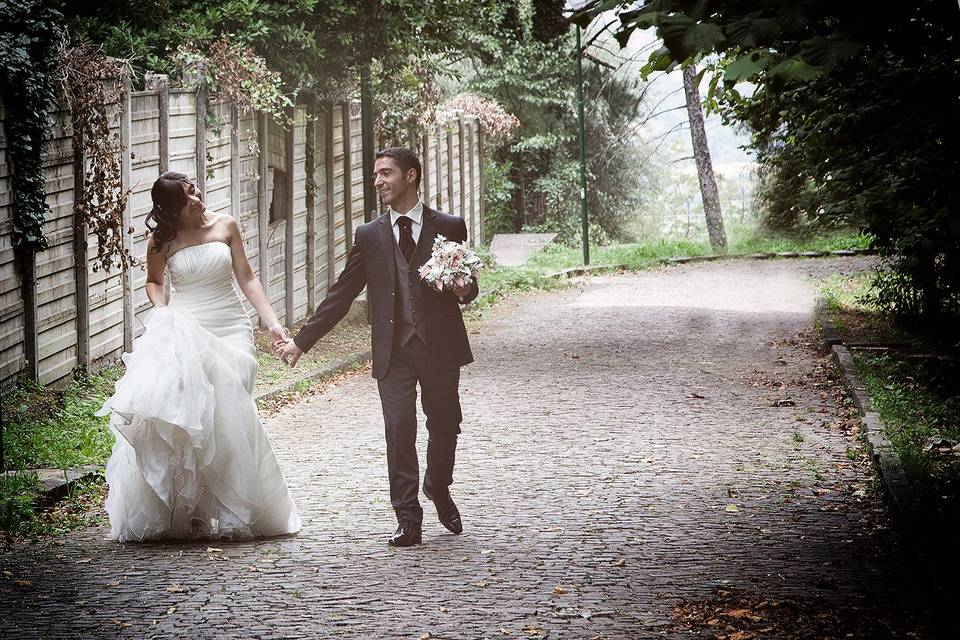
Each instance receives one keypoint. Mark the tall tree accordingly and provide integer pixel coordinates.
(701, 153)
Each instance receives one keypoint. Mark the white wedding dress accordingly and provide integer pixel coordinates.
(191, 458)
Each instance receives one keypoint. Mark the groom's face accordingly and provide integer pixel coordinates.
(390, 182)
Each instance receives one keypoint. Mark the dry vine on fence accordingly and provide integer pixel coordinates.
(91, 84)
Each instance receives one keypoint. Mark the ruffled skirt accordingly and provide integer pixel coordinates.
(191, 458)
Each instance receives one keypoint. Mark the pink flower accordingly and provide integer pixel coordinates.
(460, 282)
(424, 271)
(439, 284)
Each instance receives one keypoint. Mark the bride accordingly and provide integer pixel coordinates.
(191, 458)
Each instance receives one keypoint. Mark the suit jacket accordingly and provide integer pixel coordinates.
(372, 264)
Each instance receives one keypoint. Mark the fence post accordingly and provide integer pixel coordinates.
(310, 162)
(235, 178)
(161, 84)
(480, 150)
(471, 166)
(263, 213)
(463, 168)
(81, 261)
(200, 139)
(425, 165)
(370, 208)
(125, 170)
(450, 170)
(290, 138)
(27, 263)
(347, 176)
(328, 173)
(439, 166)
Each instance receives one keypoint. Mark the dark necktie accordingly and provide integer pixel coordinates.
(407, 245)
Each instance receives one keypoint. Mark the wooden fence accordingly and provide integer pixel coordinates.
(248, 166)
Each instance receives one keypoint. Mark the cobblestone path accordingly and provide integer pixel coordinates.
(630, 444)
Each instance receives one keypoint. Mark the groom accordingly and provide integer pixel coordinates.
(418, 336)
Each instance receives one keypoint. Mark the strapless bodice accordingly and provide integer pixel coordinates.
(204, 287)
(208, 265)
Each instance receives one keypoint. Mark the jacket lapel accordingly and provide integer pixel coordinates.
(386, 245)
(427, 235)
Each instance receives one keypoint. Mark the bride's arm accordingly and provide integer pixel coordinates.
(156, 265)
(249, 282)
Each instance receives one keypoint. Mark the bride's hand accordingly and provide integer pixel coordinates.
(289, 353)
(279, 334)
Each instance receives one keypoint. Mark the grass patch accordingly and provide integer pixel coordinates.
(642, 255)
(26, 513)
(855, 317)
(56, 428)
(919, 403)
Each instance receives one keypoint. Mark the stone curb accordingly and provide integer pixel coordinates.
(903, 497)
(589, 270)
(55, 483)
(329, 369)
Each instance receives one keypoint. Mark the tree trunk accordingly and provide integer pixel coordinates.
(701, 153)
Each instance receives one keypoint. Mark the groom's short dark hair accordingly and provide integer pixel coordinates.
(405, 159)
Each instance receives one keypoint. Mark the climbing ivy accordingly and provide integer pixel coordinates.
(30, 40)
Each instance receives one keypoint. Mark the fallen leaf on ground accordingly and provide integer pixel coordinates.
(742, 614)
(444, 610)
(424, 636)
(531, 630)
(23, 583)
(175, 588)
(84, 560)
(214, 550)
(558, 590)
(621, 562)
(171, 610)
(732, 508)
(123, 624)
(113, 583)
(505, 631)
(480, 584)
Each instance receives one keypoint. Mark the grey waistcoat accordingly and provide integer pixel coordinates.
(406, 324)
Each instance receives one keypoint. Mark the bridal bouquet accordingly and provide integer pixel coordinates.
(451, 265)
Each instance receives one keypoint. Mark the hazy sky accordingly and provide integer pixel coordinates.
(668, 87)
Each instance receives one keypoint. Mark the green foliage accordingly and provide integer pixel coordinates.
(57, 429)
(29, 53)
(497, 194)
(916, 402)
(852, 118)
(316, 46)
(534, 77)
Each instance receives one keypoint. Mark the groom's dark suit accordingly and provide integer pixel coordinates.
(418, 336)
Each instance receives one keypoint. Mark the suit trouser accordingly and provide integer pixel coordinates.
(440, 389)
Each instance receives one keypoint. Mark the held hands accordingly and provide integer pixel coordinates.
(288, 351)
(284, 346)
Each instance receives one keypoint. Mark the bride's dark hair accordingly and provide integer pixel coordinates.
(168, 200)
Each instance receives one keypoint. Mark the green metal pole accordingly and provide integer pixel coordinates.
(366, 134)
(583, 157)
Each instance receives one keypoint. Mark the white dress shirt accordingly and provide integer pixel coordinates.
(415, 214)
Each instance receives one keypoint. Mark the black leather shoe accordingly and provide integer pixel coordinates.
(407, 535)
(447, 511)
